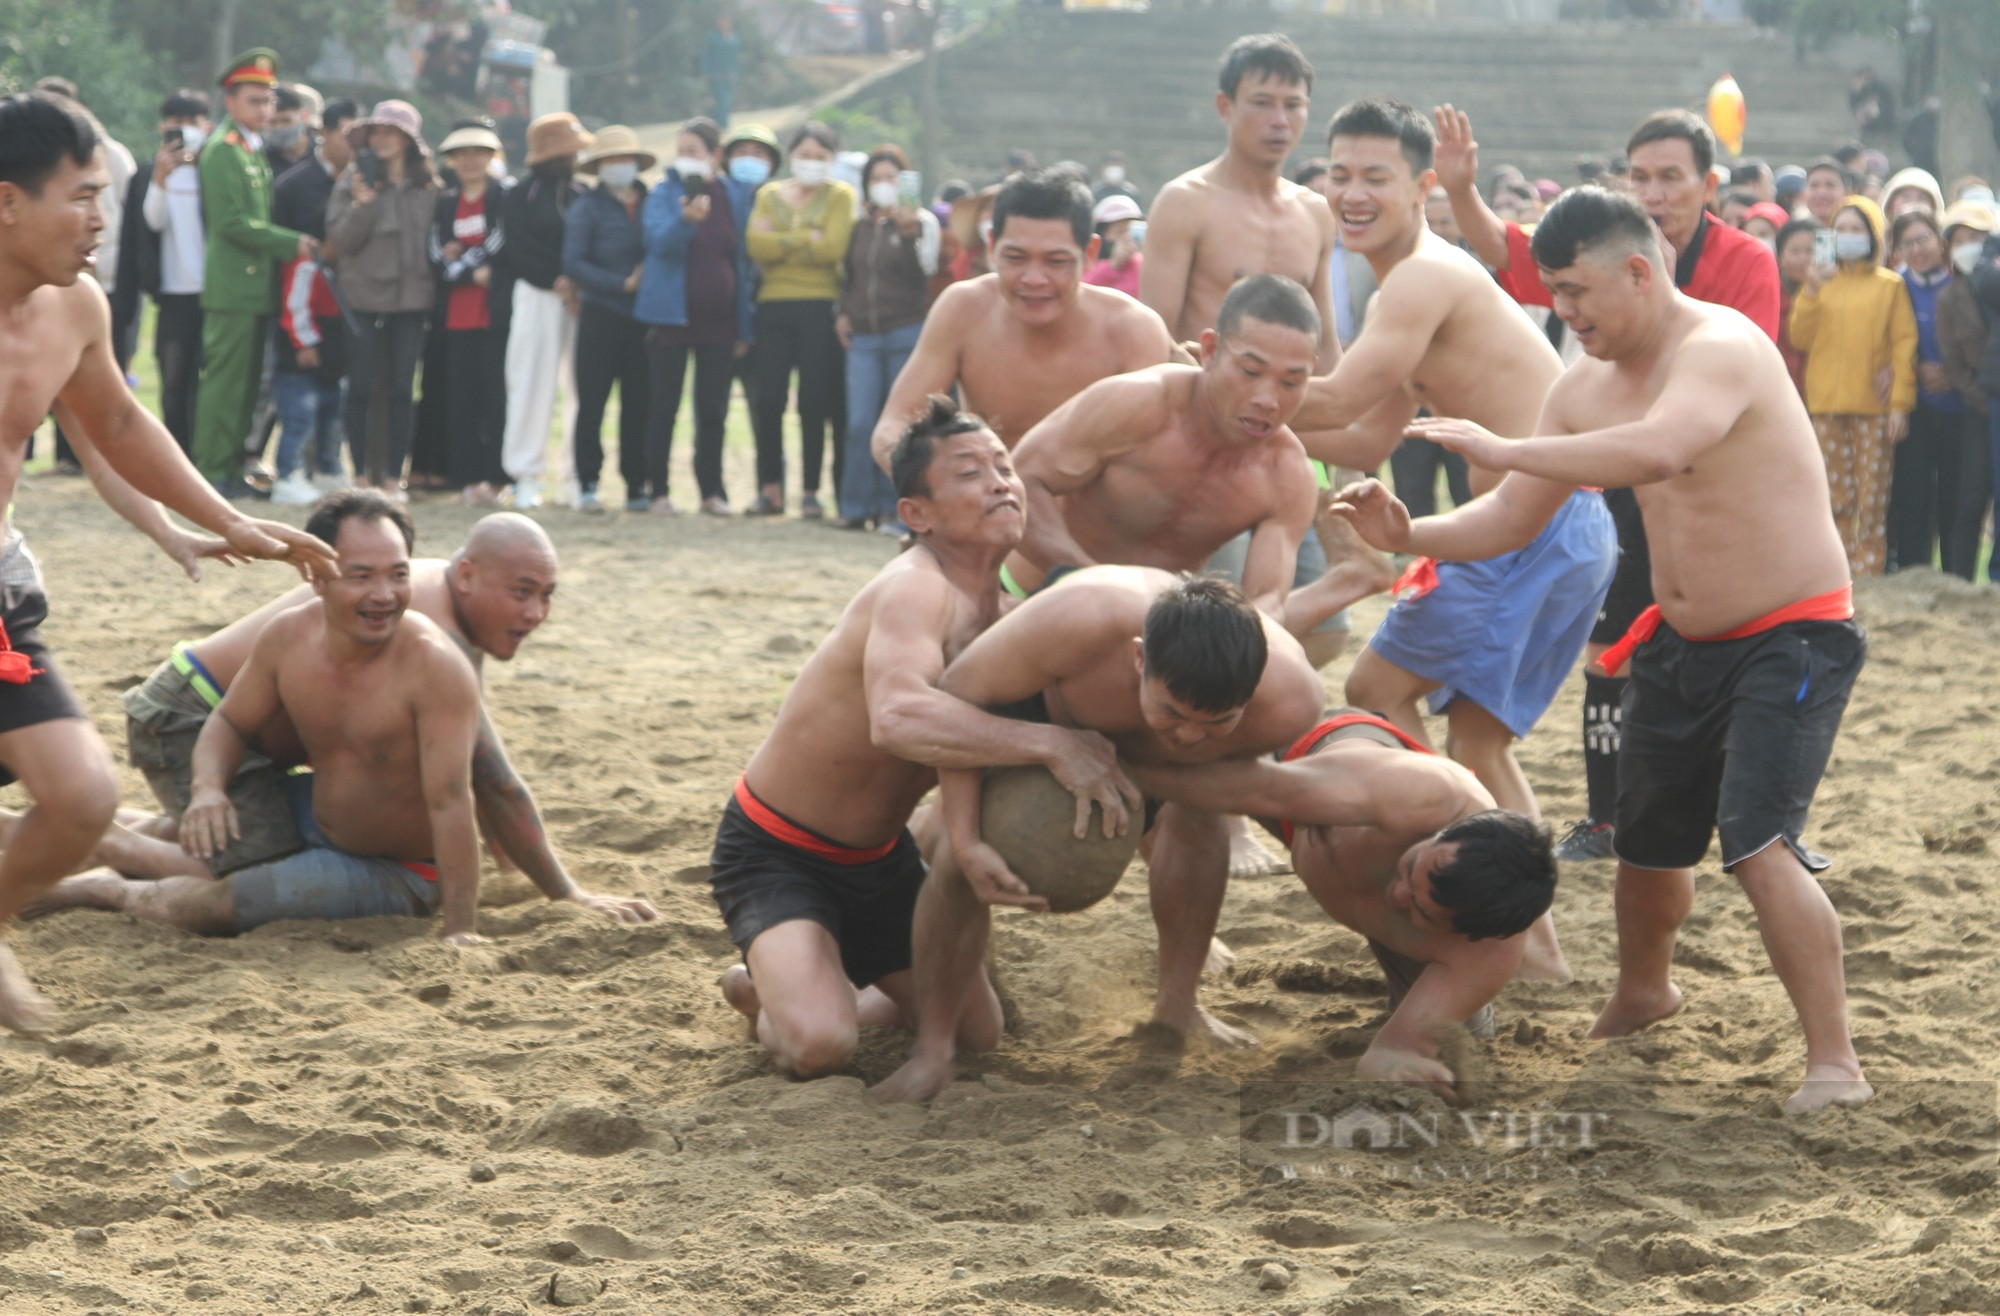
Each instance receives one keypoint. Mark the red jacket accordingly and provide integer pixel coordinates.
(1730, 268)
(308, 316)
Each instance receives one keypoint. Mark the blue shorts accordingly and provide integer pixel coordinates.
(322, 882)
(1309, 566)
(1505, 632)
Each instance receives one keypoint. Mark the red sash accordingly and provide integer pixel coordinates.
(784, 829)
(1417, 580)
(1834, 605)
(427, 871)
(16, 668)
(1305, 744)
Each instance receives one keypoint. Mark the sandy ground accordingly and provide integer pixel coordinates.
(353, 1118)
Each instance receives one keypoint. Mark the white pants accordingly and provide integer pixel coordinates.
(541, 353)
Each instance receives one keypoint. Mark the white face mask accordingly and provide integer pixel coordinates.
(810, 172)
(619, 174)
(1850, 246)
(1965, 256)
(691, 166)
(986, 234)
(192, 137)
(1114, 174)
(882, 196)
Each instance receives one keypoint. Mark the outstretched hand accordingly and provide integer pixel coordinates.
(1456, 156)
(277, 542)
(1376, 515)
(1088, 768)
(188, 549)
(1477, 444)
(993, 882)
(619, 909)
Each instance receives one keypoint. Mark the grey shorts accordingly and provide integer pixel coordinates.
(1309, 567)
(164, 716)
(322, 882)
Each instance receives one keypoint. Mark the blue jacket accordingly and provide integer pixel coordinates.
(663, 287)
(601, 248)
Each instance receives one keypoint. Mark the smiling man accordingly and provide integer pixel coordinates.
(1023, 340)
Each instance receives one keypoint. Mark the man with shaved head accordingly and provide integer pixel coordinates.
(488, 598)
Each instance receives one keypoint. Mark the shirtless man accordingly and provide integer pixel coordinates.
(1023, 340)
(492, 594)
(55, 350)
(1492, 642)
(1407, 849)
(1172, 669)
(814, 867)
(1735, 700)
(387, 708)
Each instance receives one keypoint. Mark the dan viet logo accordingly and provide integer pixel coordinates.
(1417, 1146)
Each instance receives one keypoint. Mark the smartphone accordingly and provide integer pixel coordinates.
(174, 137)
(1136, 235)
(910, 187)
(1823, 246)
(368, 166)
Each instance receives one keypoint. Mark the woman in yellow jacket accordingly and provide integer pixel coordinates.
(1854, 323)
(798, 236)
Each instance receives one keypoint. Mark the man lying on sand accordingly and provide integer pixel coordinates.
(1406, 848)
(385, 707)
(814, 866)
(1172, 669)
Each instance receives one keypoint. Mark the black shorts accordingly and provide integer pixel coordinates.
(44, 697)
(1734, 733)
(760, 881)
(1631, 591)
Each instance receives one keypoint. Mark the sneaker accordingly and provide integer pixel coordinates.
(893, 528)
(294, 490)
(330, 481)
(589, 503)
(765, 506)
(637, 502)
(236, 489)
(1586, 841)
(663, 506)
(809, 508)
(527, 494)
(716, 507)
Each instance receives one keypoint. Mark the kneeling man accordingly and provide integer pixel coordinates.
(1406, 848)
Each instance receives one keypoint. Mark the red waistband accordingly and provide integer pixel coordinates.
(15, 668)
(1305, 744)
(1834, 605)
(799, 838)
(422, 868)
(1417, 580)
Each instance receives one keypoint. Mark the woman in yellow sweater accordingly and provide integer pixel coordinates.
(798, 236)
(1854, 323)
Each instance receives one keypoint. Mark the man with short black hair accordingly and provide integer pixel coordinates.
(1023, 340)
(1691, 407)
(169, 201)
(1827, 185)
(288, 137)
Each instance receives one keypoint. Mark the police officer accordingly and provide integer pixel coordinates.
(239, 291)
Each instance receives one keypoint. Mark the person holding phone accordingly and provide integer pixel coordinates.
(1853, 321)
(171, 210)
(1121, 235)
(883, 300)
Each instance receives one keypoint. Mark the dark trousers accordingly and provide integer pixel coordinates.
(610, 349)
(177, 351)
(1415, 464)
(475, 405)
(383, 352)
(1925, 492)
(797, 336)
(430, 434)
(714, 370)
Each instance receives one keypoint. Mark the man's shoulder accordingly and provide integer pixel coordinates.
(1189, 189)
(429, 646)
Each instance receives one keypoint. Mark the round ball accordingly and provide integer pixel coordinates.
(1030, 819)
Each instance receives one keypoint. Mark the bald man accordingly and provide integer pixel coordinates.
(488, 597)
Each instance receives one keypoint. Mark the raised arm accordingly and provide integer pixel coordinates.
(1171, 229)
(447, 717)
(1456, 159)
(210, 823)
(1071, 446)
(932, 368)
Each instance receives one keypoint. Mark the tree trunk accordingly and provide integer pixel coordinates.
(1965, 135)
(225, 36)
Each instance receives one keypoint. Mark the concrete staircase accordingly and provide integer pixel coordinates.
(1073, 85)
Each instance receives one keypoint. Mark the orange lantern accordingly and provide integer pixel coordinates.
(1726, 113)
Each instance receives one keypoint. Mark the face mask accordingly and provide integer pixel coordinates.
(882, 196)
(286, 138)
(1965, 256)
(618, 174)
(810, 172)
(986, 234)
(1850, 246)
(751, 169)
(1114, 174)
(691, 166)
(192, 138)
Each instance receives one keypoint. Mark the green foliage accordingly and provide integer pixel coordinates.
(78, 40)
(867, 126)
(1817, 21)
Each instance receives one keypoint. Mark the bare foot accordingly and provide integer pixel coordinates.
(1220, 959)
(740, 992)
(921, 1078)
(1247, 855)
(1829, 1085)
(1352, 567)
(1625, 1014)
(22, 1008)
(100, 888)
(1198, 1025)
(1541, 955)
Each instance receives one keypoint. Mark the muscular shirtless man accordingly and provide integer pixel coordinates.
(489, 597)
(1407, 849)
(1493, 641)
(814, 866)
(387, 708)
(1023, 340)
(55, 350)
(1173, 669)
(1740, 677)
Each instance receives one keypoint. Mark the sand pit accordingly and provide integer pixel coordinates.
(352, 1118)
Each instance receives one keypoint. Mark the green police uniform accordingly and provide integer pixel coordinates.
(239, 281)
